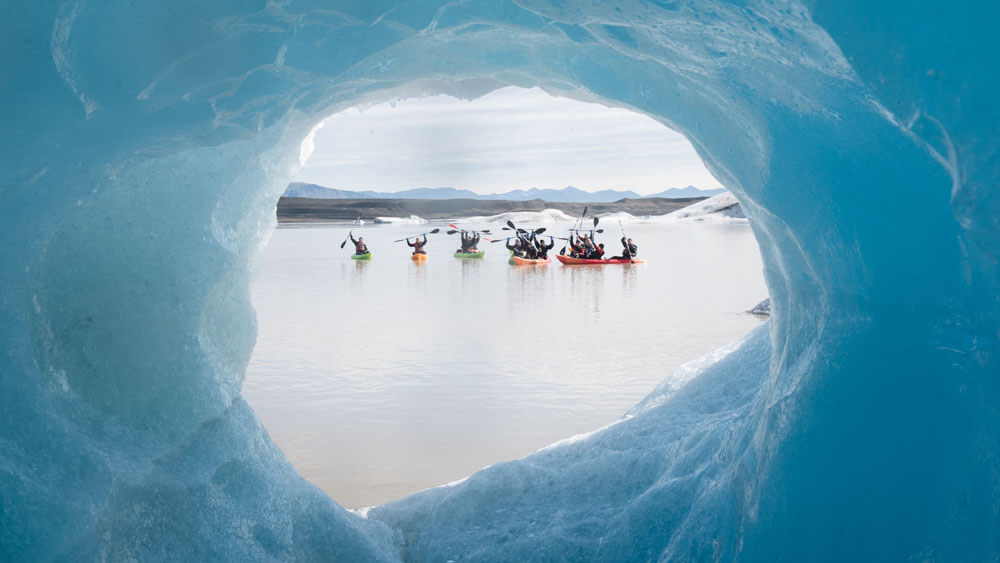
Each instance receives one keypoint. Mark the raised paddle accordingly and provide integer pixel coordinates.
(420, 235)
(349, 233)
(582, 215)
(626, 251)
(457, 228)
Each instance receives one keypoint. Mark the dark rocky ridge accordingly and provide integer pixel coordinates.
(305, 210)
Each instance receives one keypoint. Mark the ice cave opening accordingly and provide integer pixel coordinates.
(379, 378)
(146, 144)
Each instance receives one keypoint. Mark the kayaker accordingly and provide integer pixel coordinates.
(529, 249)
(543, 249)
(629, 249)
(474, 242)
(576, 246)
(359, 245)
(417, 245)
(595, 252)
(516, 248)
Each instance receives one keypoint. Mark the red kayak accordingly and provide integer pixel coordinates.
(528, 261)
(572, 261)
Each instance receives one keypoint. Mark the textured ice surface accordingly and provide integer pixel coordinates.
(546, 217)
(721, 207)
(144, 147)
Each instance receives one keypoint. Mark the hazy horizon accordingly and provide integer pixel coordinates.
(510, 139)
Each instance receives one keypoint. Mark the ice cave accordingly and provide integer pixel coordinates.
(149, 141)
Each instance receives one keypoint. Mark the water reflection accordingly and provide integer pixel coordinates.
(381, 378)
(630, 278)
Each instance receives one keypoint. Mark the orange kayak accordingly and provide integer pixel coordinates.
(419, 258)
(568, 260)
(528, 261)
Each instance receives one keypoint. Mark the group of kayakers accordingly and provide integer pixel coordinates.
(530, 246)
(583, 246)
(526, 244)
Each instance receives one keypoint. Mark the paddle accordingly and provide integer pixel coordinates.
(580, 220)
(349, 233)
(420, 235)
(625, 238)
(457, 229)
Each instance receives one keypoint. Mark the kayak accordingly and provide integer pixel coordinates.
(528, 261)
(569, 261)
(365, 256)
(478, 254)
(419, 257)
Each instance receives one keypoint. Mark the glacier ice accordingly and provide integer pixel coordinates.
(146, 143)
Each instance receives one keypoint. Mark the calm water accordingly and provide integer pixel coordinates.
(380, 379)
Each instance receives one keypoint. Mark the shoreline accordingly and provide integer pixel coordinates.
(297, 210)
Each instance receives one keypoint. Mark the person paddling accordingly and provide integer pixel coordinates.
(417, 245)
(629, 250)
(359, 245)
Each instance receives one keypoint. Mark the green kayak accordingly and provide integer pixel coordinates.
(470, 254)
(365, 256)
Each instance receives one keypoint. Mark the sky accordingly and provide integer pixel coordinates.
(512, 138)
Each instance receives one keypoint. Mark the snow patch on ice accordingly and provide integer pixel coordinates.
(723, 207)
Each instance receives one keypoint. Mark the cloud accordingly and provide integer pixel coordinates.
(511, 138)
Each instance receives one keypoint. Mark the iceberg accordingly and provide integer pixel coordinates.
(544, 217)
(721, 207)
(145, 145)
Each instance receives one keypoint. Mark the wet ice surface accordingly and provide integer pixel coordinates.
(379, 379)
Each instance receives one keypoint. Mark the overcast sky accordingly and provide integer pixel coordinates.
(512, 138)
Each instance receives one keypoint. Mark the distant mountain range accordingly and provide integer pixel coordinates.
(567, 194)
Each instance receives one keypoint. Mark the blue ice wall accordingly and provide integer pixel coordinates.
(145, 145)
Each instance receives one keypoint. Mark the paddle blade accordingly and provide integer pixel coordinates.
(451, 232)
(343, 243)
(584, 214)
(435, 231)
(511, 225)
(563, 251)
(600, 230)
(539, 231)
(596, 219)
(485, 231)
